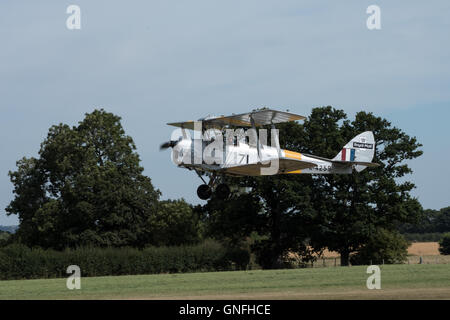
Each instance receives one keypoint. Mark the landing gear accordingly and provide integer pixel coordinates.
(204, 192)
(222, 191)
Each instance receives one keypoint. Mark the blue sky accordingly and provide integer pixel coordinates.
(153, 62)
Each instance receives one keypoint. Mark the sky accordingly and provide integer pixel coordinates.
(153, 62)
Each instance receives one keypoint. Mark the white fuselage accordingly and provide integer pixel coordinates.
(238, 158)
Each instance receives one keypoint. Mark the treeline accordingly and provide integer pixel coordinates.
(423, 237)
(430, 222)
(431, 226)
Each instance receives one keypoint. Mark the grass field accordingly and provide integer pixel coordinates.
(397, 282)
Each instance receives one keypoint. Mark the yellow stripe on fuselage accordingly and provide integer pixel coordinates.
(292, 155)
(294, 172)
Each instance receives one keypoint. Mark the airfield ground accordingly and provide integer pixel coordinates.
(425, 281)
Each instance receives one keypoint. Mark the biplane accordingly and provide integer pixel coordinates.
(241, 152)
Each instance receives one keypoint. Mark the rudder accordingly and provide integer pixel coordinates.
(360, 149)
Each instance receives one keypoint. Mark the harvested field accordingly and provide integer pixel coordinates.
(416, 249)
(424, 249)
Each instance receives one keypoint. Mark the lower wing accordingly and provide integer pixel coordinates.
(256, 169)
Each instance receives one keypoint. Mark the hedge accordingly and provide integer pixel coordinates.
(21, 262)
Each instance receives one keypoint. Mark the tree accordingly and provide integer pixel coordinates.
(304, 214)
(443, 220)
(85, 188)
(383, 246)
(232, 220)
(352, 207)
(444, 244)
(280, 211)
(175, 223)
(272, 209)
(287, 213)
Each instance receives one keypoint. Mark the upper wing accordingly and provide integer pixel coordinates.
(285, 165)
(186, 124)
(260, 118)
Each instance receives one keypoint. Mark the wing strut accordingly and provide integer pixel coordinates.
(258, 145)
(276, 139)
(200, 176)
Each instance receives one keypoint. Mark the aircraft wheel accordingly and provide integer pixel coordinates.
(204, 192)
(223, 191)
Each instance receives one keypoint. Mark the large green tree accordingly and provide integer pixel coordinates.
(306, 213)
(351, 207)
(85, 188)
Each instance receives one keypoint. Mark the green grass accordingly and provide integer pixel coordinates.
(397, 282)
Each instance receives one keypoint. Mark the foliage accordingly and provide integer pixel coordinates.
(232, 220)
(175, 223)
(423, 237)
(444, 244)
(351, 207)
(4, 236)
(303, 214)
(86, 188)
(21, 262)
(384, 246)
(431, 221)
(271, 208)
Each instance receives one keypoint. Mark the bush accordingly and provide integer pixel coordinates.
(444, 244)
(383, 247)
(20, 262)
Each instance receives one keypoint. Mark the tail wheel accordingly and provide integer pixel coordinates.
(223, 191)
(204, 192)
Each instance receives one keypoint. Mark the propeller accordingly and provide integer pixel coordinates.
(167, 145)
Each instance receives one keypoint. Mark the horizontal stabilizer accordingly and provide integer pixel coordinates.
(359, 163)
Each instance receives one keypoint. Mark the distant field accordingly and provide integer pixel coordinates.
(416, 248)
(397, 282)
(429, 251)
(424, 249)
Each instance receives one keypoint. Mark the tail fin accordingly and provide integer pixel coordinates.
(360, 149)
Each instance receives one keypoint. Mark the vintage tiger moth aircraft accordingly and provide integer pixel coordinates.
(245, 153)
